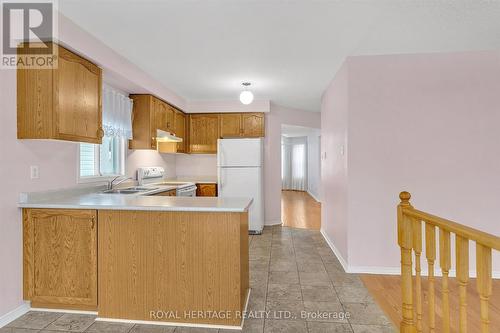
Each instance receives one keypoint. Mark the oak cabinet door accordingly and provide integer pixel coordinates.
(161, 112)
(62, 103)
(206, 190)
(203, 133)
(253, 125)
(77, 99)
(60, 257)
(230, 125)
(169, 118)
(180, 130)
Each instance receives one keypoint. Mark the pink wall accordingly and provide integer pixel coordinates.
(425, 123)
(334, 210)
(272, 153)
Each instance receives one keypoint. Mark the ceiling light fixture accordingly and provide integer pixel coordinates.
(246, 96)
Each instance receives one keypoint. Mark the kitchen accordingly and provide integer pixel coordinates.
(205, 219)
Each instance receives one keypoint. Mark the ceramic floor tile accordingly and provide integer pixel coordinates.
(285, 326)
(109, 327)
(366, 314)
(17, 330)
(279, 277)
(152, 329)
(314, 279)
(72, 323)
(284, 291)
(354, 294)
(318, 327)
(35, 319)
(319, 294)
(249, 326)
(196, 330)
(284, 309)
(373, 329)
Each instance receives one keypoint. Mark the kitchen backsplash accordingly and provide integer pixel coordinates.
(196, 165)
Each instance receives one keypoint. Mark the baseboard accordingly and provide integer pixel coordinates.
(314, 197)
(14, 314)
(272, 222)
(335, 251)
(378, 270)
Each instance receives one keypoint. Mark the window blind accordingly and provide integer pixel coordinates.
(87, 160)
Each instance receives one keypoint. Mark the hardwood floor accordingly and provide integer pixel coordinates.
(300, 210)
(386, 290)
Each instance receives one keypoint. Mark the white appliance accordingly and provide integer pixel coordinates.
(240, 173)
(155, 175)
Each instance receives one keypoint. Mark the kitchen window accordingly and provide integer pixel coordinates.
(107, 160)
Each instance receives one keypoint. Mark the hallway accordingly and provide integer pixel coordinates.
(300, 210)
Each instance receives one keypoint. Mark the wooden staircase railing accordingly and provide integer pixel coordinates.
(410, 240)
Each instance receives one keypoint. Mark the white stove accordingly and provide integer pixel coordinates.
(155, 176)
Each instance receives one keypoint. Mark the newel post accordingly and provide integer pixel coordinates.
(405, 243)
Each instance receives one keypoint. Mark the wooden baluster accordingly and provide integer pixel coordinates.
(483, 268)
(462, 251)
(445, 262)
(430, 252)
(405, 242)
(417, 247)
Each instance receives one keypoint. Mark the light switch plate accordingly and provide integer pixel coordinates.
(34, 172)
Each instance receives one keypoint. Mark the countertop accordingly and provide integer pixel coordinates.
(94, 198)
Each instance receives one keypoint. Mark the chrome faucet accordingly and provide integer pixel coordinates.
(111, 182)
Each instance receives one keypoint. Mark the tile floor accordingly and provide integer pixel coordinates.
(294, 277)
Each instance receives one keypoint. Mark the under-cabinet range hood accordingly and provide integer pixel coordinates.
(163, 136)
(166, 142)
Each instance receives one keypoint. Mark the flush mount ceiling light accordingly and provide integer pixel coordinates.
(246, 96)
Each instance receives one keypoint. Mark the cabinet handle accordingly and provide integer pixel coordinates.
(92, 222)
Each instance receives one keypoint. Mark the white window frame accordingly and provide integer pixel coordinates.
(101, 178)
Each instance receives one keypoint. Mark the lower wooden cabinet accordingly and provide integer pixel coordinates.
(206, 190)
(60, 258)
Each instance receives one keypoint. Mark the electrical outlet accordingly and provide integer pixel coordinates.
(34, 172)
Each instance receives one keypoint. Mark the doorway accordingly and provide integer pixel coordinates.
(300, 177)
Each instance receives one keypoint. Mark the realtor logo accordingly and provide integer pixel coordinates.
(28, 29)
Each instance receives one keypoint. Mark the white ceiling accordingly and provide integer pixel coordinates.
(289, 50)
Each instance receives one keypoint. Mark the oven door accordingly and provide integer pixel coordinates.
(187, 191)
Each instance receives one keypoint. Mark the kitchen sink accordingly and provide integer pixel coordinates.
(130, 190)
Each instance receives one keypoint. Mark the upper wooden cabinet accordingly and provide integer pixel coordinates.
(60, 258)
(252, 125)
(62, 103)
(203, 133)
(164, 115)
(230, 125)
(247, 125)
(180, 130)
(149, 114)
(145, 115)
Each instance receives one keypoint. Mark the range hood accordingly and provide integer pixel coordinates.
(162, 136)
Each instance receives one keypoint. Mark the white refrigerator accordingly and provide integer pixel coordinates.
(240, 173)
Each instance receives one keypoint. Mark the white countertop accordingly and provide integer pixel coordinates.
(96, 199)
